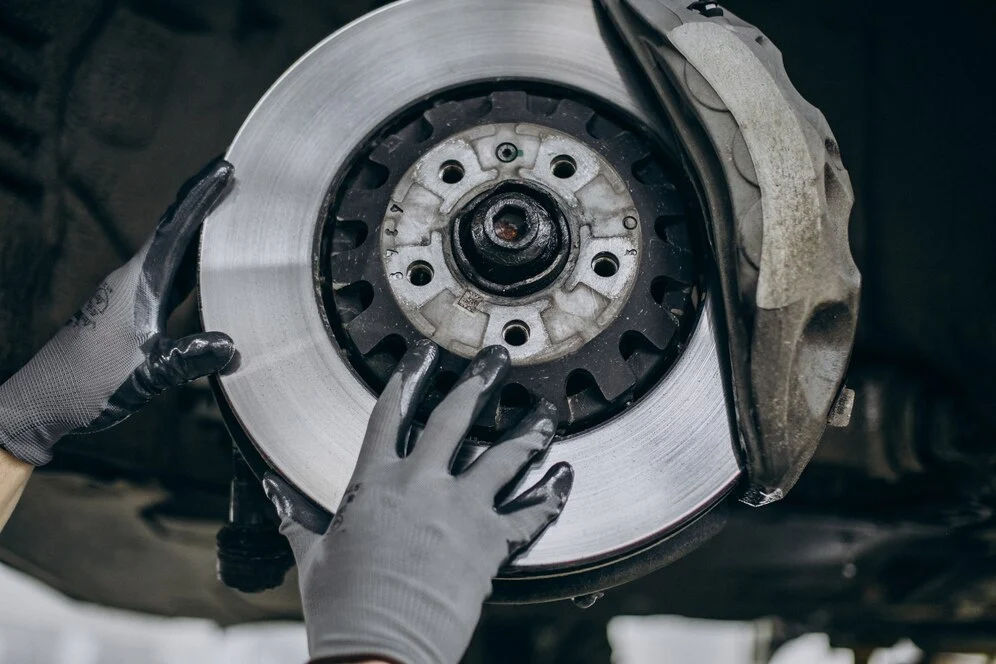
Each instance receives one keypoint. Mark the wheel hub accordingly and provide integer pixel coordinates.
(524, 234)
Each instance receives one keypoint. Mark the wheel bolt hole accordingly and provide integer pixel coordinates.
(605, 264)
(516, 333)
(420, 273)
(563, 167)
(451, 172)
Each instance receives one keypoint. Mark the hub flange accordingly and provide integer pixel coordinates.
(602, 276)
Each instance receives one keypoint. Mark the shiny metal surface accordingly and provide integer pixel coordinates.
(638, 476)
(463, 318)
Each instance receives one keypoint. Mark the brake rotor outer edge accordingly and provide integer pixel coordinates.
(639, 478)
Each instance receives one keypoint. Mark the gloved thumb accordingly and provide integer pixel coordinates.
(173, 362)
(301, 521)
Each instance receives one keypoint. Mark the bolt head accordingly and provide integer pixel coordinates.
(507, 152)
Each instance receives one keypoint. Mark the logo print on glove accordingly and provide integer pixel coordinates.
(93, 309)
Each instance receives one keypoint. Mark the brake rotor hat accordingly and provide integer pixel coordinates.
(640, 476)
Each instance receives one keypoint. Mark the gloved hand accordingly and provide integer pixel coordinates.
(113, 356)
(402, 570)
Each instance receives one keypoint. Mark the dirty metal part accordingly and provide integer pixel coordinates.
(510, 240)
(252, 554)
(770, 174)
(840, 412)
(641, 477)
(587, 601)
(707, 8)
(570, 201)
(904, 426)
(387, 281)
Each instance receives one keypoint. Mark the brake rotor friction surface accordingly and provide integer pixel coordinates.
(639, 477)
(590, 343)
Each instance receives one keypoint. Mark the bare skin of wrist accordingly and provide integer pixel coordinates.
(14, 474)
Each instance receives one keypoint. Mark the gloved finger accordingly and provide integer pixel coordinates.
(451, 420)
(499, 466)
(179, 225)
(529, 514)
(185, 278)
(173, 362)
(302, 522)
(391, 420)
(169, 363)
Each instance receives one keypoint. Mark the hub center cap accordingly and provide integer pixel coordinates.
(512, 241)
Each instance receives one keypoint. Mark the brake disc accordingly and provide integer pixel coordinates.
(387, 186)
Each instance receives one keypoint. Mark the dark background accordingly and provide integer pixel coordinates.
(107, 106)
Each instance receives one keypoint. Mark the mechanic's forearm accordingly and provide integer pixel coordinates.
(14, 474)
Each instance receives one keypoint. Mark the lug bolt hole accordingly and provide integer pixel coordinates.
(420, 273)
(451, 172)
(516, 333)
(506, 152)
(563, 167)
(605, 264)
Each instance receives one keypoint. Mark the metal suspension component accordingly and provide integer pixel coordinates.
(318, 324)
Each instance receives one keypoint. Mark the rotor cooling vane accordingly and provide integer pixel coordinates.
(527, 220)
(507, 189)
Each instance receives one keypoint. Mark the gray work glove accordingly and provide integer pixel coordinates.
(402, 570)
(113, 355)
